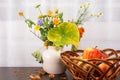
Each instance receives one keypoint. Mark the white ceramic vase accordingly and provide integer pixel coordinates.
(51, 61)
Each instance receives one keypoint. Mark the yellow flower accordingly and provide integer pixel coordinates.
(81, 6)
(88, 3)
(91, 14)
(21, 14)
(39, 16)
(37, 28)
(100, 13)
(50, 12)
(56, 11)
(56, 21)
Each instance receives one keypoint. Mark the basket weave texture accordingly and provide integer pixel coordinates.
(89, 69)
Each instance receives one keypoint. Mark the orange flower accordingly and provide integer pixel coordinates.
(21, 14)
(81, 31)
(50, 12)
(56, 21)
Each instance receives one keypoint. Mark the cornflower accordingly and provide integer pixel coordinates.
(39, 22)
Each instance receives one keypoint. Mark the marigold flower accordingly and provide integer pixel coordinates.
(21, 14)
(81, 31)
(37, 27)
(50, 12)
(56, 21)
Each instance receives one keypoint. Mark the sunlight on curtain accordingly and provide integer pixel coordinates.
(17, 43)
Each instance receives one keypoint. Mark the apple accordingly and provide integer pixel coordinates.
(104, 67)
(103, 56)
(93, 53)
(84, 66)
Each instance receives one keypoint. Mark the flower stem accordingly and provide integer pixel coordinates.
(34, 34)
(40, 11)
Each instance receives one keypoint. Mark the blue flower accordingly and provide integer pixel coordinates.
(40, 21)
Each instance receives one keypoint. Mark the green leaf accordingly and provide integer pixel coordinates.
(46, 21)
(61, 19)
(38, 56)
(37, 6)
(29, 22)
(60, 15)
(64, 34)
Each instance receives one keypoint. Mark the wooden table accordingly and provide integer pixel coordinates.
(23, 73)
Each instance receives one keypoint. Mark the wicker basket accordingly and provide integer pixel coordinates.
(88, 69)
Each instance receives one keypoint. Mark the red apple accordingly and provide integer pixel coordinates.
(93, 53)
(103, 56)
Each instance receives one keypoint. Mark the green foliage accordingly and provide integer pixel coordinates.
(29, 22)
(47, 25)
(38, 56)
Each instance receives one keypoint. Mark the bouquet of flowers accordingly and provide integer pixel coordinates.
(54, 31)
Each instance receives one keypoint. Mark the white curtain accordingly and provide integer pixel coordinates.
(17, 43)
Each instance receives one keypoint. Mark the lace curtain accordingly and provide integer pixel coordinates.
(17, 43)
